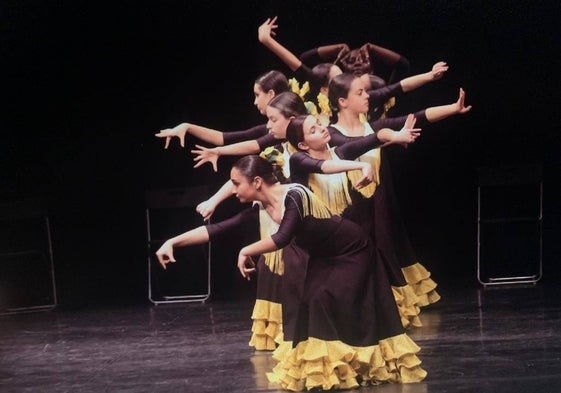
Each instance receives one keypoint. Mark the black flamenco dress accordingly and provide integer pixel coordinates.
(340, 322)
(392, 239)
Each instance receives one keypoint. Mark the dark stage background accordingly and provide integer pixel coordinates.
(87, 84)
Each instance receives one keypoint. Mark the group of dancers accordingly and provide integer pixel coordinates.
(338, 283)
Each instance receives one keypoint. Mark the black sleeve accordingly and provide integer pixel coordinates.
(268, 140)
(305, 74)
(247, 219)
(301, 165)
(396, 123)
(311, 57)
(379, 96)
(357, 147)
(337, 138)
(231, 137)
(291, 219)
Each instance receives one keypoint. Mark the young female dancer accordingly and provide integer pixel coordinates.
(320, 168)
(267, 313)
(348, 99)
(340, 323)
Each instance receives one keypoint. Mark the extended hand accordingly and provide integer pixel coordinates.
(245, 265)
(205, 154)
(439, 69)
(460, 106)
(367, 176)
(165, 254)
(267, 29)
(178, 132)
(205, 209)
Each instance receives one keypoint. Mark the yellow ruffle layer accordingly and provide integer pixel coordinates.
(406, 301)
(419, 278)
(334, 364)
(267, 325)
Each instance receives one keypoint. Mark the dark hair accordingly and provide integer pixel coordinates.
(273, 80)
(252, 165)
(339, 87)
(288, 103)
(295, 130)
(320, 74)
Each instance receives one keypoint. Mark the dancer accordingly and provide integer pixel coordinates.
(326, 171)
(340, 323)
(267, 313)
(347, 97)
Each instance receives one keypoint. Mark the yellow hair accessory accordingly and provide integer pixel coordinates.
(273, 156)
(295, 87)
(323, 103)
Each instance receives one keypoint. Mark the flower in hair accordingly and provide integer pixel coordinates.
(323, 103)
(272, 155)
(295, 87)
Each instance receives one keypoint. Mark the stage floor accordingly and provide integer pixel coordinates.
(502, 339)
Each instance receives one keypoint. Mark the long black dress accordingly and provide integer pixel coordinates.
(340, 322)
(337, 192)
(392, 237)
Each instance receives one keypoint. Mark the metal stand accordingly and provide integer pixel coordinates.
(168, 213)
(27, 275)
(509, 225)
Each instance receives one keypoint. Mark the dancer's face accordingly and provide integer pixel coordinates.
(262, 98)
(357, 99)
(243, 189)
(277, 123)
(316, 135)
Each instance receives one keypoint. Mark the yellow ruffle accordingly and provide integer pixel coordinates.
(334, 364)
(267, 325)
(407, 301)
(419, 278)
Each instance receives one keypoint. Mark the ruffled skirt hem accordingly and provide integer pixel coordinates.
(316, 363)
(407, 305)
(418, 277)
(267, 325)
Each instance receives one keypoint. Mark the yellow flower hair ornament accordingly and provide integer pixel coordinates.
(272, 155)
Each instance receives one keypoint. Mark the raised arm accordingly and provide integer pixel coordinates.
(416, 81)
(398, 64)
(437, 113)
(265, 35)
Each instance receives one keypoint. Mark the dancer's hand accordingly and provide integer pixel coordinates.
(206, 154)
(178, 131)
(267, 30)
(165, 254)
(460, 106)
(408, 134)
(367, 176)
(439, 69)
(206, 209)
(245, 265)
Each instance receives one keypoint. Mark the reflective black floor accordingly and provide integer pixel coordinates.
(502, 339)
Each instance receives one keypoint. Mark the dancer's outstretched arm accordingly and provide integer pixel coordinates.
(207, 208)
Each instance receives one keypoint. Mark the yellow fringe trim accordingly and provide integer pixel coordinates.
(334, 364)
(267, 325)
(407, 301)
(419, 278)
